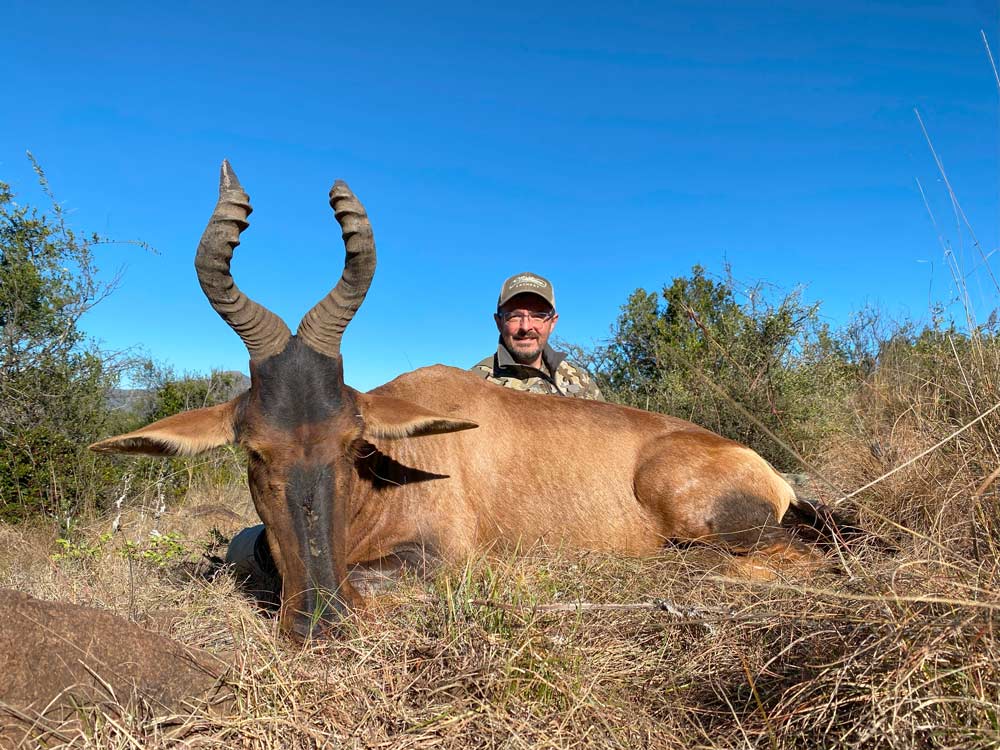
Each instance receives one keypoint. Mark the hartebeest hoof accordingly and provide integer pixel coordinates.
(779, 560)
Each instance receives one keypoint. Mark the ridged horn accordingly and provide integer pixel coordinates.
(323, 326)
(263, 332)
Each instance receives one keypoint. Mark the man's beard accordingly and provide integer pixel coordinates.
(522, 356)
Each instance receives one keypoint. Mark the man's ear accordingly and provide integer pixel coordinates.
(496, 319)
(393, 418)
(184, 434)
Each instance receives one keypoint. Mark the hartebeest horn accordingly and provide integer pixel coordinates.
(322, 327)
(263, 332)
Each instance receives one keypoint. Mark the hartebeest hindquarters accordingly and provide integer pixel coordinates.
(352, 481)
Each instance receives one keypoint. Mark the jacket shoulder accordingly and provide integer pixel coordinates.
(483, 368)
(574, 380)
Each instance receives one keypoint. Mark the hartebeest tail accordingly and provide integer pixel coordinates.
(348, 481)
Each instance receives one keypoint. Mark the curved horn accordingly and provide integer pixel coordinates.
(322, 327)
(263, 332)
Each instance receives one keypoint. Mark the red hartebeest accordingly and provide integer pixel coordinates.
(345, 480)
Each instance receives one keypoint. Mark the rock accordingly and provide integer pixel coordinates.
(56, 658)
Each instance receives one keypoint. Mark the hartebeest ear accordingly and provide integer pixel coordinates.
(393, 418)
(183, 434)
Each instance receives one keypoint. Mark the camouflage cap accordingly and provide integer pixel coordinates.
(526, 283)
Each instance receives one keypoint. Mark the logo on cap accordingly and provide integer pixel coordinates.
(528, 280)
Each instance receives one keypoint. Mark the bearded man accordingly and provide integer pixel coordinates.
(525, 317)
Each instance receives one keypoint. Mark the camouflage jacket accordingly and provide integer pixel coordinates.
(558, 375)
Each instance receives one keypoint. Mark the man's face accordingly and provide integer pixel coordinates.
(524, 338)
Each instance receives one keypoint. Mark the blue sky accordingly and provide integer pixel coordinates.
(605, 146)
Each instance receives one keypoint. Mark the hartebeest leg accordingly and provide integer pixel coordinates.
(253, 566)
(704, 488)
(748, 526)
(764, 563)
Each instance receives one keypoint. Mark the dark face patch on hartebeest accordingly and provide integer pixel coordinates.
(298, 425)
(298, 387)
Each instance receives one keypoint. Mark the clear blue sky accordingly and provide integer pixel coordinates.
(607, 146)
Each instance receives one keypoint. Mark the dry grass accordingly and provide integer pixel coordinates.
(900, 652)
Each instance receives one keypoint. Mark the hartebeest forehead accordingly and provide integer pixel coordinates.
(298, 388)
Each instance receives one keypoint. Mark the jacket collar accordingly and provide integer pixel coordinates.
(550, 358)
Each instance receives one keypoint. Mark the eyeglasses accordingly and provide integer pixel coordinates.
(521, 317)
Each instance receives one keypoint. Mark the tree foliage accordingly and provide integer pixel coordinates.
(743, 361)
(167, 393)
(52, 383)
(57, 390)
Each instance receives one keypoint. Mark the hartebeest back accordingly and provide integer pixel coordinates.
(348, 481)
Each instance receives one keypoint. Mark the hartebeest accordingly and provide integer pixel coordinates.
(345, 480)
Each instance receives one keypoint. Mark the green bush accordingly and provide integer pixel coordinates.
(53, 384)
(742, 361)
(56, 387)
(167, 393)
(164, 393)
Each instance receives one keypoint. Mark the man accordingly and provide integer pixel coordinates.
(525, 317)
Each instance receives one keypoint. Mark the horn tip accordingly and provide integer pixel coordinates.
(227, 177)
